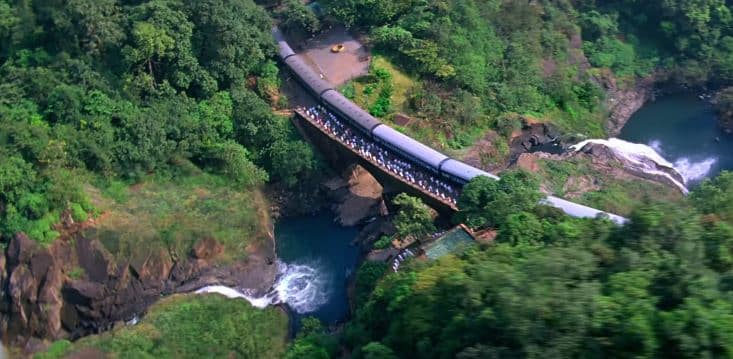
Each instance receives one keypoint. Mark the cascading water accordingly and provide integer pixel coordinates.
(301, 287)
(315, 260)
(646, 158)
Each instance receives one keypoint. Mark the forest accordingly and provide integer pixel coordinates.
(103, 94)
(101, 91)
(549, 285)
(483, 64)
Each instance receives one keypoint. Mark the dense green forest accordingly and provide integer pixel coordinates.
(101, 91)
(481, 64)
(101, 94)
(554, 286)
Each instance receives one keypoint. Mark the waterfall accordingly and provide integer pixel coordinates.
(301, 286)
(646, 158)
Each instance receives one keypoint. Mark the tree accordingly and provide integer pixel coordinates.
(232, 38)
(151, 46)
(414, 218)
(231, 160)
(715, 196)
(487, 202)
(297, 17)
(375, 350)
(98, 24)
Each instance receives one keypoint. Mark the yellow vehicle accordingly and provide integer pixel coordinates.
(338, 48)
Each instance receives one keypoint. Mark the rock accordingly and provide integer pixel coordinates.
(34, 345)
(42, 299)
(20, 250)
(528, 162)
(602, 155)
(622, 103)
(359, 200)
(50, 298)
(533, 134)
(97, 262)
(207, 248)
(83, 292)
(576, 186)
(22, 290)
(152, 268)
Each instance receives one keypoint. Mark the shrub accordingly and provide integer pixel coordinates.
(78, 213)
(383, 242)
(58, 349)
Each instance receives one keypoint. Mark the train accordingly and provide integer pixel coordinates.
(371, 127)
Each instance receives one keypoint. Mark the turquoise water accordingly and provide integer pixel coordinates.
(319, 260)
(684, 130)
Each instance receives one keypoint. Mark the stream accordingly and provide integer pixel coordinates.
(676, 137)
(683, 129)
(315, 262)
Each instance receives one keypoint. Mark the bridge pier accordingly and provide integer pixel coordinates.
(339, 156)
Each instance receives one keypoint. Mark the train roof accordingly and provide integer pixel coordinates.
(350, 110)
(581, 211)
(463, 170)
(409, 146)
(307, 75)
(284, 49)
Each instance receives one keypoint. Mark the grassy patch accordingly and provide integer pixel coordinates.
(365, 91)
(77, 273)
(192, 326)
(164, 214)
(615, 195)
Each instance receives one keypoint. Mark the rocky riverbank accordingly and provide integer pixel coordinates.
(623, 101)
(76, 287)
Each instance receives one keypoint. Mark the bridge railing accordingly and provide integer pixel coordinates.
(445, 201)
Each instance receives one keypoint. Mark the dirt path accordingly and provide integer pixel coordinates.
(337, 68)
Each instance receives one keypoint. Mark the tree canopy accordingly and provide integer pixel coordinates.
(564, 287)
(117, 89)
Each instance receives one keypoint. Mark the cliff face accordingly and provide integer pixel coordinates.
(356, 196)
(623, 102)
(76, 287)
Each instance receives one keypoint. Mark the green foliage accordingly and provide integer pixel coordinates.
(383, 242)
(375, 350)
(107, 91)
(312, 342)
(561, 287)
(487, 202)
(77, 273)
(78, 213)
(413, 218)
(715, 196)
(202, 326)
(297, 17)
(366, 278)
(57, 350)
(172, 214)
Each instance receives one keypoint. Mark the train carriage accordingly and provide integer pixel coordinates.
(408, 147)
(284, 49)
(350, 111)
(312, 81)
(461, 172)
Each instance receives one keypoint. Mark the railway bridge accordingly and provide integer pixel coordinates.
(336, 122)
(342, 151)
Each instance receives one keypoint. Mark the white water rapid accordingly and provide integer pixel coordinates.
(301, 286)
(646, 158)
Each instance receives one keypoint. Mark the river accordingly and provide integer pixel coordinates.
(319, 260)
(683, 129)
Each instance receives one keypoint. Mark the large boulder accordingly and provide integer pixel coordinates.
(359, 199)
(207, 248)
